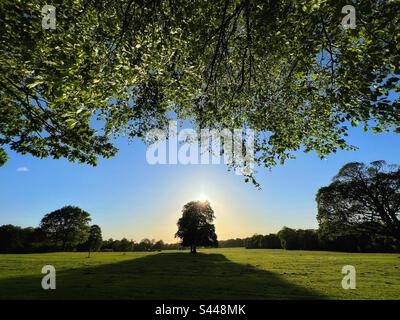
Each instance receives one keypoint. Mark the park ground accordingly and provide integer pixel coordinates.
(234, 273)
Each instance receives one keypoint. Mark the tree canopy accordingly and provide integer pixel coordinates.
(95, 239)
(195, 227)
(66, 226)
(16, 239)
(362, 197)
(286, 69)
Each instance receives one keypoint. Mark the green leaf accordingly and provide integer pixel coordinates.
(34, 84)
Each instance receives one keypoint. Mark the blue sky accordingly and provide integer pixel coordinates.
(129, 198)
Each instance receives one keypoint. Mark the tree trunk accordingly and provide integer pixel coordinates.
(64, 246)
(193, 249)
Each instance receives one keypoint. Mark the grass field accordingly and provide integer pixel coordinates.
(212, 274)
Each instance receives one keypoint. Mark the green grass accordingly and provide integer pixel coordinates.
(211, 274)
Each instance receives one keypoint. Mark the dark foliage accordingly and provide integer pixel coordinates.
(195, 227)
(362, 197)
(231, 243)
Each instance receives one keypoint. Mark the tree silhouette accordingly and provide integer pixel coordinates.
(66, 226)
(362, 197)
(95, 239)
(195, 227)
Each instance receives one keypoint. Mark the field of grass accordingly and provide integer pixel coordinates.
(212, 274)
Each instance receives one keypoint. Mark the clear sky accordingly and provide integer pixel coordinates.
(129, 198)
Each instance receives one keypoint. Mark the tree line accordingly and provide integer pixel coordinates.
(69, 229)
(125, 245)
(310, 239)
(359, 211)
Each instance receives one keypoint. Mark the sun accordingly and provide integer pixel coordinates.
(202, 197)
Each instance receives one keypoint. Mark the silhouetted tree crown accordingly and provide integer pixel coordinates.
(17, 239)
(195, 227)
(364, 198)
(67, 226)
(95, 239)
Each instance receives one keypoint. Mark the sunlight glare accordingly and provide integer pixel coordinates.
(202, 197)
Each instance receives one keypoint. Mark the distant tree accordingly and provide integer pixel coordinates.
(116, 245)
(289, 238)
(11, 238)
(258, 241)
(271, 241)
(159, 245)
(231, 243)
(67, 226)
(143, 245)
(254, 242)
(125, 245)
(17, 239)
(195, 227)
(107, 244)
(172, 246)
(95, 239)
(361, 197)
(307, 239)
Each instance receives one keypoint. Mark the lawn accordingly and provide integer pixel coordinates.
(212, 274)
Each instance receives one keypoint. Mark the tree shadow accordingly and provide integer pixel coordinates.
(161, 276)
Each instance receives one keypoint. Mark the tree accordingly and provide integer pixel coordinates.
(308, 239)
(195, 227)
(107, 245)
(95, 239)
(289, 239)
(254, 242)
(362, 197)
(144, 245)
(159, 245)
(67, 226)
(285, 69)
(11, 238)
(125, 245)
(17, 239)
(231, 243)
(116, 245)
(271, 241)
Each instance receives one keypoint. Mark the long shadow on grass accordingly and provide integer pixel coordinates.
(161, 276)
